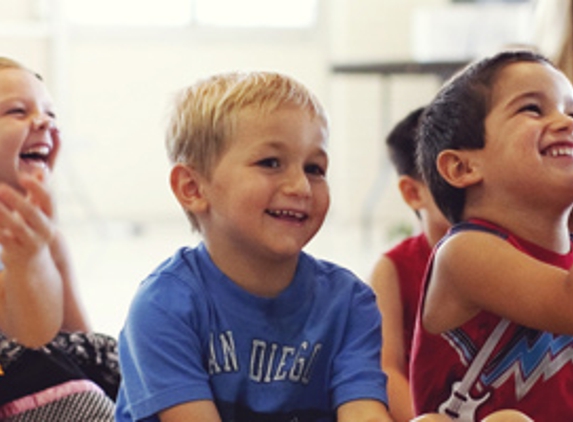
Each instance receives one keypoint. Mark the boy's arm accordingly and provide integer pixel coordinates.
(363, 411)
(477, 271)
(386, 284)
(197, 411)
(31, 292)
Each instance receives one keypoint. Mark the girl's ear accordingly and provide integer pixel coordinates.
(459, 168)
(186, 184)
(410, 190)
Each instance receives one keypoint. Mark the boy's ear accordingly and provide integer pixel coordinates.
(458, 168)
(410, 190)
(186, 184)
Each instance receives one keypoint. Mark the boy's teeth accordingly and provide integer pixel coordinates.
(560, 151)
(286, 213)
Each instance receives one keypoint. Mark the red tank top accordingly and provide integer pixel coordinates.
(410, 258)
(528, 370)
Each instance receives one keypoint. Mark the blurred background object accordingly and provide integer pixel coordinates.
(113, 65)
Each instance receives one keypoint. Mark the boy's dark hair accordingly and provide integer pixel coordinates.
(455, 119)
(401, 144)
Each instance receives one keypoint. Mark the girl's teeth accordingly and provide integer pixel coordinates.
(39, 153)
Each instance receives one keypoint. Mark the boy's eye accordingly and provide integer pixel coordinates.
(269, 162)
(532, 108)
(315, 169)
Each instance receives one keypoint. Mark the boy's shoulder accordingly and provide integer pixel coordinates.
(330, 275)
(181, 271)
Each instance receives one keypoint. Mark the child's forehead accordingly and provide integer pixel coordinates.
(529, 78)
(271, 127)
(11, 73)
(17, 83)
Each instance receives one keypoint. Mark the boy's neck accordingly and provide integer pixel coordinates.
(257, 275)
(546, 229)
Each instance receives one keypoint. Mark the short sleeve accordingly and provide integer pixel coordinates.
(357, 372)
(160, 350)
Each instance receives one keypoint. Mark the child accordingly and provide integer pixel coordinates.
(41, 377)
(495, 325)
(246, 327)
(398, 274)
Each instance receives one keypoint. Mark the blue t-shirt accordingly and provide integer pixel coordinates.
(193, 334)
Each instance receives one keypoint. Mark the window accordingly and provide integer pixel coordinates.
(256, 13)
(180, 13)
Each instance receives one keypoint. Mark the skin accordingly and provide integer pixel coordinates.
(37, 286)
(529, 123)
(265, 199)
(385, 282)
(506, 415)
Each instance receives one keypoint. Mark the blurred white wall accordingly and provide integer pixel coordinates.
(113, 86)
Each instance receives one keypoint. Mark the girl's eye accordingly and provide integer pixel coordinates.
(315, 169)
(269, 163)
(16, 110)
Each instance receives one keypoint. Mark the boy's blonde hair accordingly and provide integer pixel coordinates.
(203, 116)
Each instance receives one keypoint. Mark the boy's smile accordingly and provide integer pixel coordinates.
(29, 139)
(268, 195)
(288, 215)
(529, 131)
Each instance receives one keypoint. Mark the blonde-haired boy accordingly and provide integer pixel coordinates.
(246, 326)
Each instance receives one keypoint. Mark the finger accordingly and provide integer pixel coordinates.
(38, 193)
(21, 216)
(9, 222)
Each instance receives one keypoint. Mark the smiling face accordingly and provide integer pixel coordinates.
(29, 139)
(267, 195)
(528, 150)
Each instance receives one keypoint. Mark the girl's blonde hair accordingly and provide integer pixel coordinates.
(6, 63)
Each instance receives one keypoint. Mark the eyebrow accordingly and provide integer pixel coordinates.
(532, 95)
(538, 96)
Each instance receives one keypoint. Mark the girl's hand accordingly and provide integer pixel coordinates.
(31, 285)
(26, 220)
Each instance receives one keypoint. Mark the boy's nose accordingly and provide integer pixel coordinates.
(297, 183)
(564, 123)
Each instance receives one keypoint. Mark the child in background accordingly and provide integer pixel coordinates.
(50, 366)
(398, 274)
(495, 325)
(246, 327)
